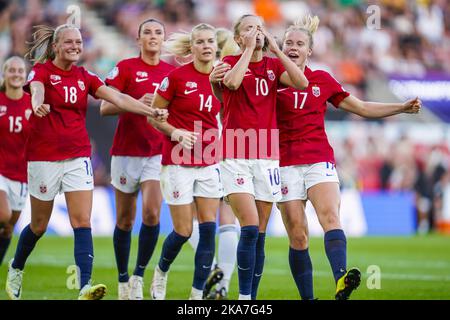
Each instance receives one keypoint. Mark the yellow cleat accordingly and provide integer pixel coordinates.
(90, 292)
(347, 283)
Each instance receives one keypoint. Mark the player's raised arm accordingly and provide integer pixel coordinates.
(368, 109)
(129, 104)
(216, 77)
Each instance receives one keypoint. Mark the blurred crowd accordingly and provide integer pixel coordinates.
(411, 37)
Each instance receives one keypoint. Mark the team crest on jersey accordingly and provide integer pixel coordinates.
(271, 75)
(191, 85)
(142, 74)
(123, 180)
(176, 194)
(113, 73)
(3, 110)
(28, 113)
(42, 188)
(284, 190)
(315, 91)
(55, 77)
(81, 85)
(240, 181)
(31, 76)
(164, 84)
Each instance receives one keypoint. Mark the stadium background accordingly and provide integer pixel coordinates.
(394, 173)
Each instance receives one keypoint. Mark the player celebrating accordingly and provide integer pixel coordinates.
(58, 149)
(136, 157)
(189, 176)
(308, 170)
(15, 110)
(250, 173)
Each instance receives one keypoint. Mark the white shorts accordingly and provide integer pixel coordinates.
(16, 192)
(296, 180)
(48, 178)
(127, 173)
(259, 177)
(180, 184)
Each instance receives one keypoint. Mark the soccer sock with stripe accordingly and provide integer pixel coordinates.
(171, 247)
(259, 263)
(122, 243)
(204, 254)
(228, 241)
(27, 241)
(336, 250)
(246, 255)
(4, 244)
(301, 269)
(84, 254)
(148, 237)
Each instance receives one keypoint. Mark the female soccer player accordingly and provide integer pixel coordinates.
(187, 175)
(15, 110)
(136, 157)
(228, 229)
(308, 169)
(250, 169)
(58, 149)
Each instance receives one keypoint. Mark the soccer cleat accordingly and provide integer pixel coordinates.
(347, 283)
(220, 294)
(159, 284)
(214, 278)
(90, 292)
(123, 291)
(14, 282)
(136, 288)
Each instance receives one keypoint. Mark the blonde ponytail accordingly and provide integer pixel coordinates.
(307, 24)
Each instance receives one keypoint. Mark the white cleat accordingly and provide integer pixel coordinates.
(123, 291)
(196, 294)
(14, 282)
(136, 285)
(159, 284)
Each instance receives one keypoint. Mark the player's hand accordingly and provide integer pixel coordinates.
(147, 99)
(218, 72)
(249, 38)
(160, 115)
(412, 106)
(273, 45)
(184, 137)
(42, 110)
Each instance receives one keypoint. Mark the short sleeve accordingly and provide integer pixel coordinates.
(39, 74)
(94, 83)
(337, 92)
(167, 88)
(117, 77)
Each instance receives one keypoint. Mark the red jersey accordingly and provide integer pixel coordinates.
(62, 133)
(249, 118)
(192, 107)
(301, 119)
(134, 136)
(14, 129)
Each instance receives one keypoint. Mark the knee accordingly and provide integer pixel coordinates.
(150, 216)
(299, 240)
(81, 222)
(184, 231)
(329, 218)
(38, 229)
(124, 221)
(7, 230)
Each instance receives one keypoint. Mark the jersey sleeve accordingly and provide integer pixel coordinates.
(94, 83)
(117, 77)
(167, 88)
(337, 92)
(39, 74)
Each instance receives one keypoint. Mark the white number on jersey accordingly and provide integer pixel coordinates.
(15, 125)
(207, 103)
(70, 94)
(261, 87)
(304, 94)
(156, 85)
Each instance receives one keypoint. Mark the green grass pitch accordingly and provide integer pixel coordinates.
(411, 268)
